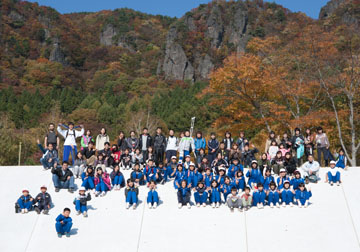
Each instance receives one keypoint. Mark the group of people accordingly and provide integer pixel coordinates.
(214, 172)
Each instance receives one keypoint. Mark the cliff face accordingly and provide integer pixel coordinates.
(341, 11)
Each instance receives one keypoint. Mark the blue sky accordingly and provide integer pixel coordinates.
(166, 7)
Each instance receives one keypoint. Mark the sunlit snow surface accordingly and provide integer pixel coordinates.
(330, 223)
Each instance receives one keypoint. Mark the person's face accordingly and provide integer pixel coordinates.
(301, 188)
(272, 135)
(136, 167)
(222, 145)
(26, 193)
(66, 213)
(180, 168)
(233, 192)
(297, 175)
(341, 153)
(43, 190)
(88, 133)
(202, 151)
(282, 174)
(227, 181)
(246, 147)
(116, 168)
(187, 133)
(151, 163)
(102, 131)
(308, 131)
(332, 165)
(51, 127)
(311, 158)
(214, 184)
(201, 185)
(241, 134)
(297, 132)
(99, 172)
(208, 172)
(235, 162)
(278, 155)
(131, 183)
(145, 131)
(71, 126)
(285, 135)
(132, 134)
(126, 151)
(79, 155)
(187, 159)
(286, 185)
(152, 185)
(260, 188)
(192, 167)
(287, 156)
(253, 165)
(90, 145)
(82, 192)
(264, 156)
(101, 157)
(267, 173)
(272, 187)
(183, 184)
(212, 136)
(158, 131)
(50, 147)
(121, 135)
(227, 135)
(222, 173)
(198, 135)
(65, 166)
(247, 191)
(320, 131)
(137, 151)
(171, 132)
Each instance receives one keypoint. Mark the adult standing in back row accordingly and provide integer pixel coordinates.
(159, 146)
(52, 138)
(145, 141)
(70, 135)
(322, 145)
(101, 139)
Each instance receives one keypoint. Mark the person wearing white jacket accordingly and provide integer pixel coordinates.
(186, 145)
(311, 167)
(333, 175)
(70, 135)
(171, 146)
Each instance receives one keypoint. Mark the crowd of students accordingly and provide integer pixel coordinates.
(213, 172)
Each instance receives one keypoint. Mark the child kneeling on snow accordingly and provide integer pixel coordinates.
(25, 203)
(153, 197)
(234, 200)
(81, 201)
(184, 194)
(259, 196)
(333, 175)
(302, 196)
(273, 195)
(131, 194)
(102, 182)
(63, 223)
(43, 200)
(287, 194)
(200, 194)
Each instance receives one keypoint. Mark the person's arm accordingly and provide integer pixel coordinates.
(82, 142)
(45, 141)
(97, 146)
(61, 131)
(41, 147)
(80, 133)
(57, 142)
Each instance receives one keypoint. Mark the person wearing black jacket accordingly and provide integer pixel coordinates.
(43, 201)
(248, 155)
(145, 141)
(122, 144)
(132, 141)
(159, 146)
(289, 163)
(89, 154)
(63, 178)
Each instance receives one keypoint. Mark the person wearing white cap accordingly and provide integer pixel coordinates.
(310, 169)
(281, 179)
(81, 201)
(333, 175)
(25, 202)
(254, 174)
(192, 175)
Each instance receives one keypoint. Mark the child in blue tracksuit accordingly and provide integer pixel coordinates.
(297, 180)
(302, 196)
(341, 160)
(213, 146)
(161, 169)
(333, 175)
(239, 181)
(131, 194)
(273, 195)
(282, 178)
(254, 175)
(137, 176)
(226, 188)
(63, 223)
(268, 179)
(179, 175)
(287, 194)
(151, 172)
(184, 194)
(117, 178)
(221, 177)
(192, 176)
(215, 194)
(234, 167)
(259, 196)
(88, 178)
(200, 194)
(153, 197)
(25, 203)
(208, 177)
(81, 201)
(171, 167)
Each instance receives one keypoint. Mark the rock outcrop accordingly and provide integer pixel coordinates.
(110, 36)
(341, 9)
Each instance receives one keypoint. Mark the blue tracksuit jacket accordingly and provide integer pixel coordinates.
(233, 169)
(303, 196)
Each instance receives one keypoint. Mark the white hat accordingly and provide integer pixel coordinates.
(191, 164)
(222, 168)
(332, 162)
(188, 156)
(173, 157)
(254, 161)
(82, 189)
(282, 170)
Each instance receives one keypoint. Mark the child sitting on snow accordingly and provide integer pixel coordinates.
(25, 203)
(81, 201)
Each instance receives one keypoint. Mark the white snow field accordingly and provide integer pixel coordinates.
(330, 223)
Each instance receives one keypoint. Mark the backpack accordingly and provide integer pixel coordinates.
(313, 179)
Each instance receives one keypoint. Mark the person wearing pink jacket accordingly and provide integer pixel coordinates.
(102, 182)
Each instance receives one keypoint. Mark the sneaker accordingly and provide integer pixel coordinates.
(204, 204)
(231, 209)
(188, 205)
(37, 210)
(300, 206)
(217, 205)
(338, 183)
(213, 205)
(271, 205)
(162, 182)
(283, 204)
(59, 235)
(127, 205)
(97, 193)
(198, 204)
(291, 204)
(149, 205)
(46, 212)
(22, 211)
(26, 210)
(306, 204)
(67, 234)
(155, 205)
(180, 205)
(261, 205)
(247, 208)
(102, 194)
(134, 206)
(331, 183)
(78, 212)
(57, 189)
(258, 206)
(278, 205)
(85, 214)
(71, 190)
(240, 209)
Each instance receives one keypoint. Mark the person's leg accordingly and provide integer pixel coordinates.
(56, 181)
(98, 187)
(180, 198)
(134, 197)
(59, 228)
(256, 199)
(326, 157)
(270, 198)
(44, 163)
(337, 177)
(197, 198)
(71, 182)
(73, 154)
(67, 227)
(230, 204)
(319, 150)
(149, 197)
(155, 197)
(204, 198)
(276, 198)
(77, 205)
(83, 208)
(128, 198)
(21, 204)
(66, 153)
(103, 186)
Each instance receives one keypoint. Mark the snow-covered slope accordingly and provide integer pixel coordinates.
(331, 223)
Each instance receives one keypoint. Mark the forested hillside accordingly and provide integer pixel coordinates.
(125, 69)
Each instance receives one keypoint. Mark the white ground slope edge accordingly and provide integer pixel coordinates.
(331, 223)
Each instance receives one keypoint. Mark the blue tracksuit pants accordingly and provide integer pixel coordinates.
(101, 187)
(273, 197)
(118, 180)
(200, 198)
(215, 196)
(88, 183)
(67, 151)
(23, 205)
(131, 198)
(259, 198)
(335, 178)
(153, 197)
(79, 207)
(63, 228)
(287, 197)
